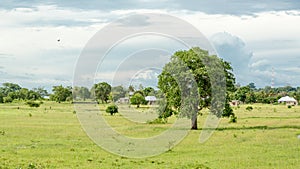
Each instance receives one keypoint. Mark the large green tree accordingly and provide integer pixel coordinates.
(61, 94)
(102, 91)
(190, 69)
(241, 93)
(137, 99)
(10, 87)
(12, 91)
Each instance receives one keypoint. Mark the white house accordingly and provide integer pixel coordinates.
(123, 100)
(288, 100)
(150, 99)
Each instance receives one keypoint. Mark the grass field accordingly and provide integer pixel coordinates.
(265, 137)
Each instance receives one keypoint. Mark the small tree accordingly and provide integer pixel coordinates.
(137, 99)
(249, 108)
(112, 109)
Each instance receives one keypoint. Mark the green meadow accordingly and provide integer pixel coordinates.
(51, 137)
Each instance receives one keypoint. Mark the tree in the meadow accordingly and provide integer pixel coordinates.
(61, 94)
(102, 91)
(175, 82)
(137, 99)
(241, 93)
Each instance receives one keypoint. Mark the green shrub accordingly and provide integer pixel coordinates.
(227, 112)
(249, 108)
(112, 109)
(33, 104)
(233, 119)
(32, 166)
(158, 121)
(7, 99)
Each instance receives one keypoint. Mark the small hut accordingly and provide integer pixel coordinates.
(234, 103)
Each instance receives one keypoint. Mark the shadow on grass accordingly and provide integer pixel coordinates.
(253, 128)
(256, 117)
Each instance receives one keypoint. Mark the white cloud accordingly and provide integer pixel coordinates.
(260, 63)
(28, 37)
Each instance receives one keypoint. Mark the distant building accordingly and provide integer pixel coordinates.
(124, 100)
(151, 99)
(234, 103)
(46, 97)
(288, 101)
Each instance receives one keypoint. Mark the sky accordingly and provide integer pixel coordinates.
(41, 41)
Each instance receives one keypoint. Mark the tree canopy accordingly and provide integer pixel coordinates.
(61, 94)
(102, 91)
(137, 99)
(190, 69)
(11, 91)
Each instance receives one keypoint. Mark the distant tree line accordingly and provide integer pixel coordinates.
(101, 92)
(11, 91)
(250, 94)
(104, 93)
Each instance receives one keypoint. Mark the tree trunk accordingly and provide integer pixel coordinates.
(194, 122)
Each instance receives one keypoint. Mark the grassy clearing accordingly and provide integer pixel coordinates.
(265, 137)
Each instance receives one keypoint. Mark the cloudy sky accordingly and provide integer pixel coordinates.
(40, 41)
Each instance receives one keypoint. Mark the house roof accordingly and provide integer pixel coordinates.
(150, 98)
(287, 99)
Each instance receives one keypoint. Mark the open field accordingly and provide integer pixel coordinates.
(265, 137)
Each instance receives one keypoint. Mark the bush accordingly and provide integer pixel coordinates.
(289, 106)
(227, 112)
(112, 109)
(233, 119)
(7, 99)
(158, 121)
(249, 108)
(33, 104)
